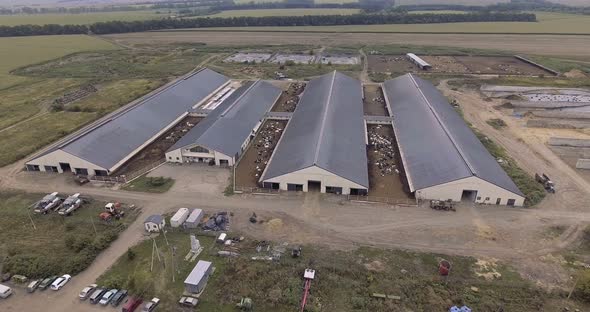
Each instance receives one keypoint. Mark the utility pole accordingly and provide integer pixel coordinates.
(166, 238)
(31, 218)
(93, 226)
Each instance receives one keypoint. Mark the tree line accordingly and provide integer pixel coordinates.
(243, 21)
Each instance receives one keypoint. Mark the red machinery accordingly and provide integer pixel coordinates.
(309, 275)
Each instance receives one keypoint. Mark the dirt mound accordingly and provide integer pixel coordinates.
(575, 73)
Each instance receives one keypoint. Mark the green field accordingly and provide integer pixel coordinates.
(30, 121)
(28, 249)
(549, 23)
(344, 280)
(22, 51)
(285, 12)
(77, 19)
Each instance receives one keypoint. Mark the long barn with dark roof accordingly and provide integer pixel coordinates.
(442, 157)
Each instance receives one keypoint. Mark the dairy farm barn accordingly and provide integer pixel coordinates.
(441, 155)
(103, 148)
(324, 145)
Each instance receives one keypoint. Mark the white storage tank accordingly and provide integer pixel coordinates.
(179, 217)
(193, 220)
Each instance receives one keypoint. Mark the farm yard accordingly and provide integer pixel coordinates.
(373, 102)
(256, 157)
(459, 64)
(288, 100)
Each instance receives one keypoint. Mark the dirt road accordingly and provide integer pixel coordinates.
(514, 235)
(561, 45)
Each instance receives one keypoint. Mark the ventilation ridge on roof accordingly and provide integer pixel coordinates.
(463, 157)
(238, 99)
(325, 112)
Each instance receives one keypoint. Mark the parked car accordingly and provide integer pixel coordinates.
(46, 282)
(85, 293)
(5, 291)
(151, 306)
(188, 301)
(118, 298)
(33, 286)
(60, 282)
(131, 304)
(97, 295)
(106, 298)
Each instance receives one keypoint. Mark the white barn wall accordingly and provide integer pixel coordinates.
(57, 156)
(454, 190)
(315, 173)
(180, 155)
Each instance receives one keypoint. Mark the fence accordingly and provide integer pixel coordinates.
(385, 200)
(128, 177)
(241, 189)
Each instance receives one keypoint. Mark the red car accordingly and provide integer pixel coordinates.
(132, 304)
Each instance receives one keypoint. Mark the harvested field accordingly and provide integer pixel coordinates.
(155, 151)
(288, 100)
(570, 45)
(499, 65)
(374, 103)
(390, 64)
(385, 173)
(256, 158)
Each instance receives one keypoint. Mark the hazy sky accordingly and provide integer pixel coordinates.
(78, 2)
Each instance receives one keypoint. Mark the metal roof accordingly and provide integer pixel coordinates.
(435, 143)
(326, 130)
(227, 127)
(112, 141)
(198, 272)
(154, 218)
(418, 60)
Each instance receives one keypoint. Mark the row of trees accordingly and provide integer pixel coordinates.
(316, 20)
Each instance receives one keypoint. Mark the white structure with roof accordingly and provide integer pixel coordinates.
(195, 282)
(226, 131)
(323, 146)
(418, 61)
(102, 148)
(193, 220)
(441, 156)
(179, 217)
(154, 223)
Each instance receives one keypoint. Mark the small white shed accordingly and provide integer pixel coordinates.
(179, 217)
(154, 223)
(193, 220)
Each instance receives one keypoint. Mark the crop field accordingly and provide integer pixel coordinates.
(285, 12)
(549, 23)
(71, 247)
(77, 19)
(23, 51)
(344, 280)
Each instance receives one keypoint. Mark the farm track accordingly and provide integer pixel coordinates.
(564, 45)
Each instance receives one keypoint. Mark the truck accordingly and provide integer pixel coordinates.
(546, 182)
(47, 203)
(112, 210)
(70, 205)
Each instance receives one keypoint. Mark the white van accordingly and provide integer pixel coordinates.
(5, 291)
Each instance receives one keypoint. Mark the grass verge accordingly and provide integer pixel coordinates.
(150, 184)
(533, 191)
(344, 280)
(55, 244)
